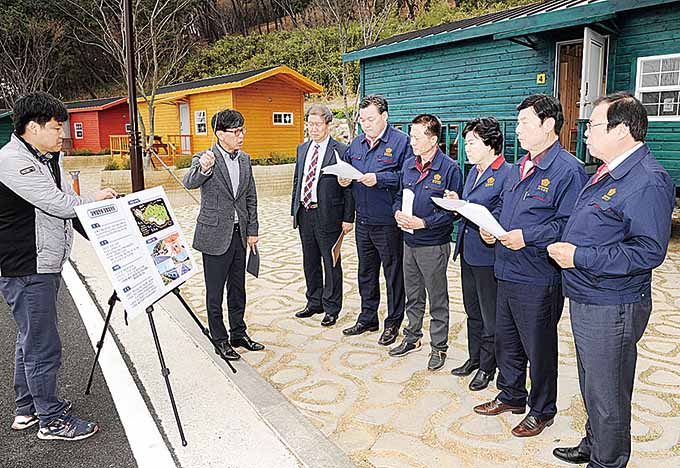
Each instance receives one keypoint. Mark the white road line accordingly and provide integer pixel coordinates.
(145, 440)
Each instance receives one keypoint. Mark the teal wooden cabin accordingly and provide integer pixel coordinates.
(573, 49)
(6, 126)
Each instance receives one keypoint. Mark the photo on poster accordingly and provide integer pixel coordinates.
(171, 257)
(152, 216)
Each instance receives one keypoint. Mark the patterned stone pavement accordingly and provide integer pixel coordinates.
(387, 412)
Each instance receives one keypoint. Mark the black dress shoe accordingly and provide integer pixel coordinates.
(307, 312)
(329, 320)
(481, 380)
(389, 336)
(571, 455)
(247, 343)
(226, 352)
(359, 328)
(465, 369)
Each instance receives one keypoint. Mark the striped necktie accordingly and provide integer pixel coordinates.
(601, 172)
(309, 178)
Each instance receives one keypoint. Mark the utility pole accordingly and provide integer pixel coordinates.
(136, 164)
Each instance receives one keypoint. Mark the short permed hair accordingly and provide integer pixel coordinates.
(432, 124)
(39, 107)
(226, 119)
(375, 99)
(624, 108)
(545, 107)
(488, 130)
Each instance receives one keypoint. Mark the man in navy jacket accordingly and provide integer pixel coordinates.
(428, 247)
(618, 233)
(379, 154)
(537, 200)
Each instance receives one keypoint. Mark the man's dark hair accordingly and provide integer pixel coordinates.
(488, 130)
(432, 124)
(624, 108)
(38, 107)
(545, 107)
(226, 119)
(375, 99)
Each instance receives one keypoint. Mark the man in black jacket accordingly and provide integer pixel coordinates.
(322, 210)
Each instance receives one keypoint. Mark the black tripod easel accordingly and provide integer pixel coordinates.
(165, 372)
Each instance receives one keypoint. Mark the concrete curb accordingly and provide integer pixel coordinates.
(306, 442)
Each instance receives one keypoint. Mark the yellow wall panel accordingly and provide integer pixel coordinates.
(257, 103)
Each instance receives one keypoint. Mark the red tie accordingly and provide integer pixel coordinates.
(309, 179)
(601, 171)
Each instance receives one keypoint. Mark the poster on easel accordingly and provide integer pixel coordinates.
(141, 246)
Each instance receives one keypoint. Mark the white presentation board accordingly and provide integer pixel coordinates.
(140, 245)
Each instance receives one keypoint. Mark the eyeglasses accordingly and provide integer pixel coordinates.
(590, 125)
(237, 131)
(316, 124)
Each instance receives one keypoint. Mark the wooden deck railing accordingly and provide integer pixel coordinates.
(119, 144)
(182, 142)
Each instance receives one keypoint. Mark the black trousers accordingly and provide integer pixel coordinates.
(526, 331)
(479, 299)
(324, 289)
(230, 269)
(380, 245)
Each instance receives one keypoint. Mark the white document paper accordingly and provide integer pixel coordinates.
(407, 199)
(478, 214)
(343, 169)
(140, 245)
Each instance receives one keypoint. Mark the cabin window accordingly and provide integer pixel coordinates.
(78, 130)
(201, 125)
(658, 86)
(283, 118)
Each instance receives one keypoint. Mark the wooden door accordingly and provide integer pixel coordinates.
(570, 68)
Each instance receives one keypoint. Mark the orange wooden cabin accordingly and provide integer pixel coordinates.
(271, 101)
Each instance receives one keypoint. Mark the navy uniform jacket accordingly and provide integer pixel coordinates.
(621, 227)
(487, 192)
(539, 205)
(444, 174)
(374, 204)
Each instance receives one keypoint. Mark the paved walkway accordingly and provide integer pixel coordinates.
(392, 412)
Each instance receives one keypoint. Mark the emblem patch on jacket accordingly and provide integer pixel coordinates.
(27, 170)
(608, 196)
(489, 182)
(388, 152)
(437, 179)
(544, 186)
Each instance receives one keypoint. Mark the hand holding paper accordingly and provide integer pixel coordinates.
(343, 169)
(478, 214)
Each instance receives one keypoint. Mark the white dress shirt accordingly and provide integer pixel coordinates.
(308, 160)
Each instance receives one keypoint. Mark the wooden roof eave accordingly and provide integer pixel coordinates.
(581, 15)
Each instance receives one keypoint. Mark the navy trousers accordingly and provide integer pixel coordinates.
(378, 245)
(33, 300)
(606, 339)
(230, 269)
(526, 331)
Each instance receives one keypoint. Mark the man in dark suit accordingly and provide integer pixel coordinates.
(322, 210)
(226, 221)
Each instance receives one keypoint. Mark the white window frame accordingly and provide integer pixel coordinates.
(200, 117)
(283, 114)
(639, 89)
(78, 128)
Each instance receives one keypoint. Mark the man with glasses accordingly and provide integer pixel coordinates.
(618, 233)
(226, 223)
(321, 210)
(379, 154)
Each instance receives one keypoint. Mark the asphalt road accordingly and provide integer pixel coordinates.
(22, 449)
